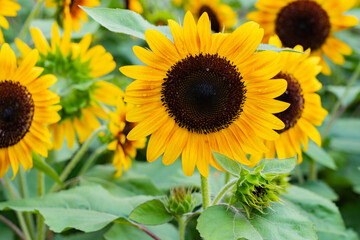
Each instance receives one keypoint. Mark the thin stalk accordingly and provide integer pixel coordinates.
(205, 192)
(77, 157)
(182, 226)
(92, 159)
(40, 219)
(34, 12)
(145, 230)
(224, 190)
(334, 111)
(15, 195)
(312, 171)
(227, 177)
(12, 226)
(299, 175)
(24, 194)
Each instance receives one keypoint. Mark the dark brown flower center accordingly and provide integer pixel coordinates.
(292, 95)
(303, 23)
(203, 93)
(215, 24)
(16, 112)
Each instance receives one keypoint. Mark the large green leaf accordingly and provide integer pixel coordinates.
(152, 212)
(129, 232)
(124, 21)
(280, 223)
(321, 211)
(319, 155)
(320, 188)
(88, 208)
(228, 164)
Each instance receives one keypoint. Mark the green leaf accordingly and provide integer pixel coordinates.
(278, 166)
(5, 232)
(281, 223)
(87, 208)
(129, 232)
(124, 21)
(320, 188)
(152, 212)
(42, 166)
(347, 145)
(268, 47)
(322, 212)
(320, 156)
(228, 164)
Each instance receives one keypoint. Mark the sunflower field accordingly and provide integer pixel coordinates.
(179, 119)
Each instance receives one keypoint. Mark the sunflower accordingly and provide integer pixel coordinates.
(8, 8)
(119, 128)
(26, 107)
(134, 5)
(77, 67)
(305, 111)
(309, 23)
(222, 17)
(205, 92)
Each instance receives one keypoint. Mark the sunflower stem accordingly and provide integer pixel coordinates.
(312, 171)
(92, 159)
(15, 195)
(224, 190)
(40, 219)
(182, 226)
(205, 192)
(34, 12)
(12, 226)
(77, 157)
(24, 194)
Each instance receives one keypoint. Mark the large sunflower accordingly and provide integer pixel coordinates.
(205, 92)
(77, 67)
(8, 8)
(119, 128)
(26, 107)
(305, 111)
(309, 23)
(222, 17)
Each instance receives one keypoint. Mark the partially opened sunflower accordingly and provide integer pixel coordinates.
(309, 23)
(205, 92)
(305, 111)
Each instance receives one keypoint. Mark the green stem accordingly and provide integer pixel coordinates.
(334, 111)
(92, 159)
(182, 226)
(77, 157)
(24, 194)
(299, 175)
(222, 192)
(28, 21)
(40, 219)
(205, 192)
(227, 177)
(312, 171)
(15, 195)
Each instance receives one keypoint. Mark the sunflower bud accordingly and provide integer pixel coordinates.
(181, 201)
(256, 190)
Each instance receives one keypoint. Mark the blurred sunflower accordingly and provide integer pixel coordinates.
(77, 67)
(119, 128)
(71, 9)
(205, 92)
(222, 17)
(309, 23)
(8, 8)
(26, 107)
(305, 111)
(134, 5)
